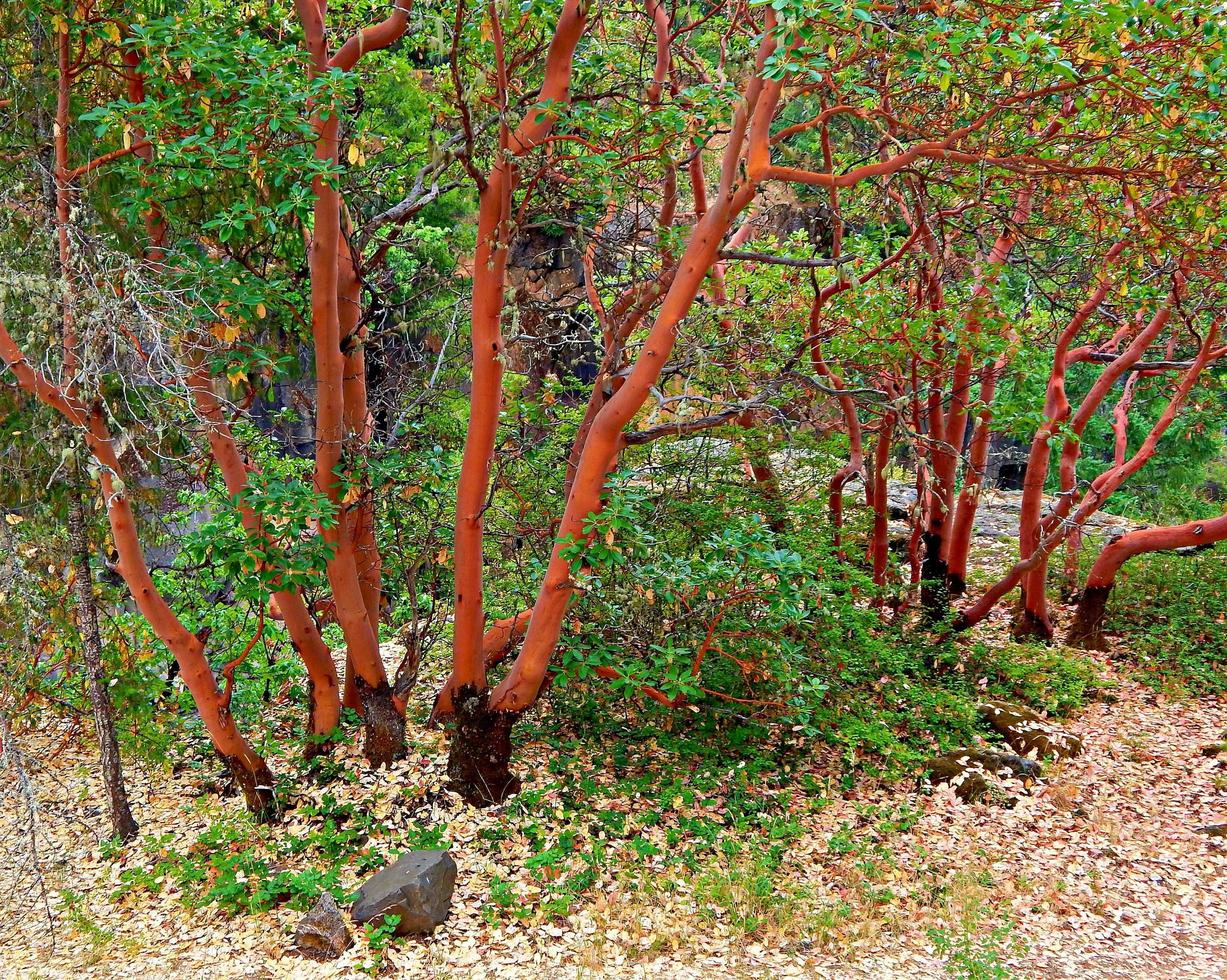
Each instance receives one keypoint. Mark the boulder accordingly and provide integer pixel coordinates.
(1029, 734)
(975, 773)
(970, 782)
(418, 888)
(322, 933)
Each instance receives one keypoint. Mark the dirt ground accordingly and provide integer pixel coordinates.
(1100, 873)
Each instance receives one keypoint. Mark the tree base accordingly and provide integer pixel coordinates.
(383, 725)
(934, 571)
(255, 782)
(318, 742)
(1086, 633)
(479, 759)
(1030, 627)
(956, 586)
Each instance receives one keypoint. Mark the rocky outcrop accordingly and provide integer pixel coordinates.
(976, 774)
(997, 515)
(1028, 733)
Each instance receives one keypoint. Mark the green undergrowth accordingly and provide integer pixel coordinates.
(1169, 613)
(714, 793)
(340, 834)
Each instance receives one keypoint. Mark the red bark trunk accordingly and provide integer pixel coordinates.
(249, 769)
(384, 726)
(1033, 619)
(1057, 527)
(1087, 628)
(304, 634)
(521, 687)
(489, 278)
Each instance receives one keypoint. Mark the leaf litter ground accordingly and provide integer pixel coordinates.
(1098, 873)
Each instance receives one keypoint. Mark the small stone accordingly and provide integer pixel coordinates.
(418, 888)
(322, 933)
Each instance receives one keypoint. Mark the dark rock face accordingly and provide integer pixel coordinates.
(418, 888)
(1029, 734)
(322, 934)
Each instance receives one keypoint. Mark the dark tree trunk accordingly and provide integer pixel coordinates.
(1086, 633)
(122, 822)
(255, 781)
(480, 756)
(383, 725)
(934, 571)
(1029, 626)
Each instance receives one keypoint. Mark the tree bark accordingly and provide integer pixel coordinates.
(325, 712)
(1033, 617)
(1056, 527)
(110, 768)
(249, 769)
(1087, 628)
(489, 281)
(384, 738)
(520, 689)
(479, 759)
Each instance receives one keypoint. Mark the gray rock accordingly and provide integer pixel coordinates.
(418, 888)
(322, 933)
(998, 513)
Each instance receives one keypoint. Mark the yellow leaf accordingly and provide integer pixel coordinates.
(112, 32)
(60, 24)
(832, 53)
(13, 519)
(352, 494)
(354, 153)
(225, 330)
(261, 310)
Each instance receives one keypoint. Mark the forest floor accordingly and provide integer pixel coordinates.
(1097, 873)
